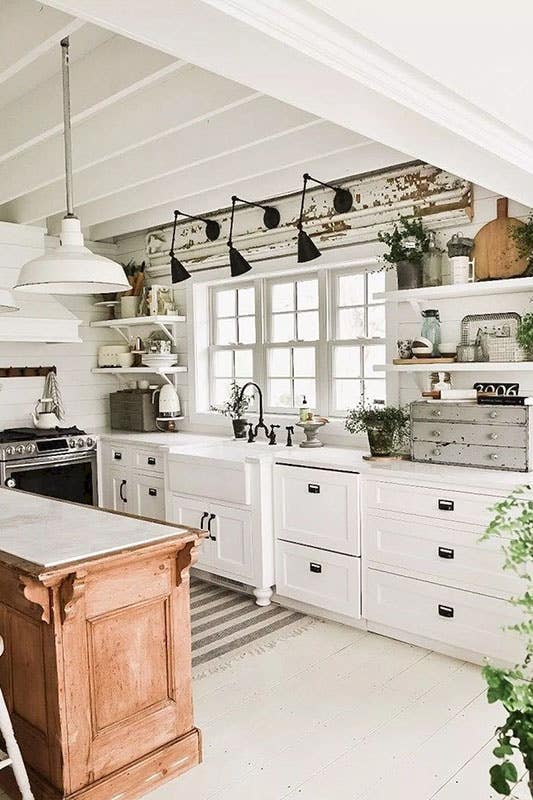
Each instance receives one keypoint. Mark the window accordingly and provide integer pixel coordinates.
(233, 336)
(358, 323)
(318, 335)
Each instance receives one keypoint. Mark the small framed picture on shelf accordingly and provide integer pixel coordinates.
(156, 300)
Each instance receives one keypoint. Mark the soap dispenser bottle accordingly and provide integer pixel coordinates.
(304, 410)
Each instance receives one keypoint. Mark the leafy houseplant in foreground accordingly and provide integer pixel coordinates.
(235, 408)
(523, 239)
(386, 427)
(513, 688)
(408, 244)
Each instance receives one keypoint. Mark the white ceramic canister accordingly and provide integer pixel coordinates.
(461, 268)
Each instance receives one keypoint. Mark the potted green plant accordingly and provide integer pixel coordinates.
(513, 688)
(522, 236)
(385, 426)
(524, 334)
(408, 244)
(235, 408)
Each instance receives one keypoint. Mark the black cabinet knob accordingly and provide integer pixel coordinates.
(151, 461)
(446, 611)
(152, 492)
(314, 567)
(446, 552)
(313, 488)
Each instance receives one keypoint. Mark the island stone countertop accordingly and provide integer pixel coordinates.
(49, 533)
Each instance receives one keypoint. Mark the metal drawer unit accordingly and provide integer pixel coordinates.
(472, 436)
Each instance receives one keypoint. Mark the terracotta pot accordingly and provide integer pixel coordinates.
(380, 440)
(409, 275)
(239, 428)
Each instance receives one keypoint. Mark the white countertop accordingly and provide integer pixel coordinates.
(217, 448)
(49, 533)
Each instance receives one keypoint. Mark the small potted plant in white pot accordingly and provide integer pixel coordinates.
(385, 426)
(235, 408)
(408, 245)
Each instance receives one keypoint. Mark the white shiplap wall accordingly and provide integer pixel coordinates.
(85, 395)
(406, 387)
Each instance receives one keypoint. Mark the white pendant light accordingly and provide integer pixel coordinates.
(7, 302)
(72, 268)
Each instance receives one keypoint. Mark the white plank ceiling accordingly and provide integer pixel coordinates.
(151, 132)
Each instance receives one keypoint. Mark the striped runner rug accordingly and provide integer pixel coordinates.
(228, 625)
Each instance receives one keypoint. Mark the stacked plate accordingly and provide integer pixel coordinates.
(159, 360)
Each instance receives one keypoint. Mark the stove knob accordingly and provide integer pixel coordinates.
(11, 483)
(80, 443)
(9, 451)
(71, 443)
(30, 448)
(20, 449)
(90, 442)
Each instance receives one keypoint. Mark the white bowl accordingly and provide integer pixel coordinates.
(125, 359)
(447, 348)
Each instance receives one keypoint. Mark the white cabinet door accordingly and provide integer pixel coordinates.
(193, 511)
(148, 496)
(317, 507)
(231, 535)
(114, 493)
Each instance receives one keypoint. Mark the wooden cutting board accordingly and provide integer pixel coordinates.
(495, 252)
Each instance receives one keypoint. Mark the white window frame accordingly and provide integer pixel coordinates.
(327, 296)
(361, 342)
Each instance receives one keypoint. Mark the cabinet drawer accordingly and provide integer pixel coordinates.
(443, 504)
(149, 496)
(503, 415)
(461, 433)
(454, 617)
(327, 580)
(116, 454)
(149, 460)
(449, 554)
(490, 457)
(317, 507)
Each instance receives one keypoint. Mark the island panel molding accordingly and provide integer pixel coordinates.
(97, 669)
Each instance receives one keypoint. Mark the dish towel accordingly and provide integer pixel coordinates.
(53, 392)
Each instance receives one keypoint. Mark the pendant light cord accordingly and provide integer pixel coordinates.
(67, 127)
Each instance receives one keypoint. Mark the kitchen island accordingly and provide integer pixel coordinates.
(94, 613)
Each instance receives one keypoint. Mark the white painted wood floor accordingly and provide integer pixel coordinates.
(343, 714)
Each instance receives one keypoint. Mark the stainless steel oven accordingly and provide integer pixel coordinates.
(57, 466)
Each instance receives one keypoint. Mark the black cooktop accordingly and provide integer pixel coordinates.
(28, 434)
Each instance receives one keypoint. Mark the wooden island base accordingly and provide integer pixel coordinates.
(97, 671)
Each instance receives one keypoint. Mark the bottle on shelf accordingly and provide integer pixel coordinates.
(305, 412)
(432, 264)
(431, 329)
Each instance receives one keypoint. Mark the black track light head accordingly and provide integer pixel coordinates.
(237, 262)
(307, 249)
(177, 270)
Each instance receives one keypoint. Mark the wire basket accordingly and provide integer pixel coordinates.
(501, 348)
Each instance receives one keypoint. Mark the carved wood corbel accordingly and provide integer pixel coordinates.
(71, 590)
(34, 591)
(185, 559)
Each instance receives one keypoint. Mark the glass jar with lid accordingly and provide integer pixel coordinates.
(431, 329)
(432, 264)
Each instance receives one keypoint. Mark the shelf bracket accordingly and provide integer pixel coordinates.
(166, 329)
(415, 307)
(123, 333)
(173, 381)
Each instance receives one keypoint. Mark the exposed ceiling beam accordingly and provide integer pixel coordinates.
(262, 121)
(299, 54)
(27, 31)
(255, 182)
(169, 105)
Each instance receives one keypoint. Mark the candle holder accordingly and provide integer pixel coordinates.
(310, 429)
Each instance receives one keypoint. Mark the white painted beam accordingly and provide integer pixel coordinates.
(27, 31)
(282, 179)
(178, 100)
(116, 69)
(312, 61)
(262, 121)
(258, 160)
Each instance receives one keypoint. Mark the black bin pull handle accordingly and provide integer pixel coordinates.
(152, 492)
(122, 485)
(446, 611)
(314, 567)
(117, 456)
(446, 552)
(446, 505)
(202, 520)
(313, 488)
(151, 461)
(209, 521)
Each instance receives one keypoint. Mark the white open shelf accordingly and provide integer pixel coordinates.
(506, 286)
(470, 366)
(131, 322)
(138, 370)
